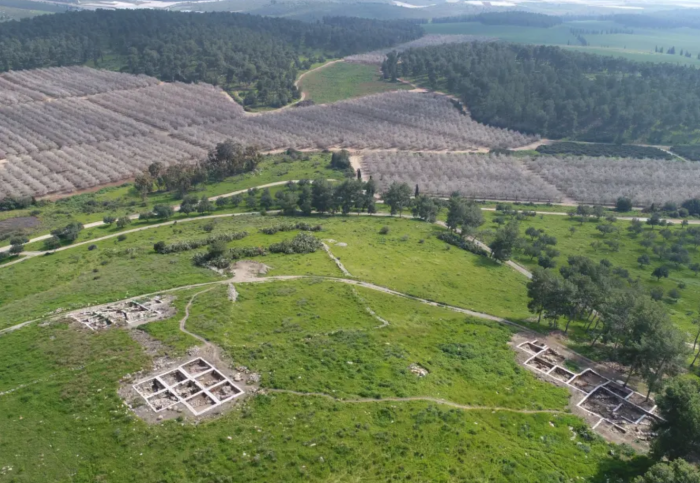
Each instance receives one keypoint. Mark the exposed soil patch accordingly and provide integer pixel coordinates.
(588, 380)
(19, 223)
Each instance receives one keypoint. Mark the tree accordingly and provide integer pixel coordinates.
(288, 202)
(456, 209)
(322, 195)
(341, 160)
(108, 220)
(304, 200)
(16, 248)
(539, 290)
(186, 207)
(52, 243)
(662, 351)
(204, 205)
(660, 272)
(505, 241)
(678, 433)
(425, 208)
(123, 222)
(473, 217)
(348, 195)
(68, 233)
(229, 158)
(266, 200)
(163, 211)
(623, 204)
(654, 220)
(643, 260)
(221, 202)
(398, 197)
(676, 471)
(143, 183)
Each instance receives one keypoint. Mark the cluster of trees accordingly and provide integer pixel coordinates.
(672, 51)
(10, 203)
(226, 159)
(16, 247)
(514, 17)
(559, 93)
(186, 245)
(634, 328)
(66, 234)
(607, 150)
(219, 256)
(260, 54)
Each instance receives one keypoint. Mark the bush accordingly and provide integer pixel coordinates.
(121, 238)
(623, 204)
(302, 243)
(92, 247)
(458, 241)
(68, 233)
(656, 293)
(52, 243)
(290, 227)
(674, 294)
(384, 230)
(186, 245)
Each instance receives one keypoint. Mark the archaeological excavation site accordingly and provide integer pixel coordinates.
(612, 408)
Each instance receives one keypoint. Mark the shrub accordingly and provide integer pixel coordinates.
(121, 238)
(458, 241)
(186, 245)
(384, 230)
(52, 243)
(92, 247)
(302, 243)
(289, 227)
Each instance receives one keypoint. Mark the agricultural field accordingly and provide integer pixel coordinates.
(583, 179)
(344, 80)
(101, 127)
(639, 45)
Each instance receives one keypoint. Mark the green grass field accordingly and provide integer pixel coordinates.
(638, 46)
(343, 80)
(63, 421)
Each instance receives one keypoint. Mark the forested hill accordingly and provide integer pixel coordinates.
(257, 55)
(558, 93)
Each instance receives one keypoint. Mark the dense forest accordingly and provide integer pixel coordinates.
(525, 19)
(558, 93)
(688, 152)
(257, 55)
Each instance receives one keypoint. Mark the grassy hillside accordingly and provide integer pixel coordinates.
(638, 46)
(344, 81)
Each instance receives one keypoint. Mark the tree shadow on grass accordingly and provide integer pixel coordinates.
(616, 469)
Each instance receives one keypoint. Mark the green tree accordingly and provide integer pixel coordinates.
(678, 433)
(266, 200)
(108, 220)
(398, 197)
(660, 272)
(123, 222)
(677, 471)
(539, 291)
(322, 195)
(505, 241)
(456, 209)
(425, 208)
(623, 204)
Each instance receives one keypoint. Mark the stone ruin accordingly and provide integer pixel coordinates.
(619, 409)
(196, 384)
(130, 313)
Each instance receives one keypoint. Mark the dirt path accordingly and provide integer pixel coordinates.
(336, 260)
(183, 321)
(299, 79)
(413, 398)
